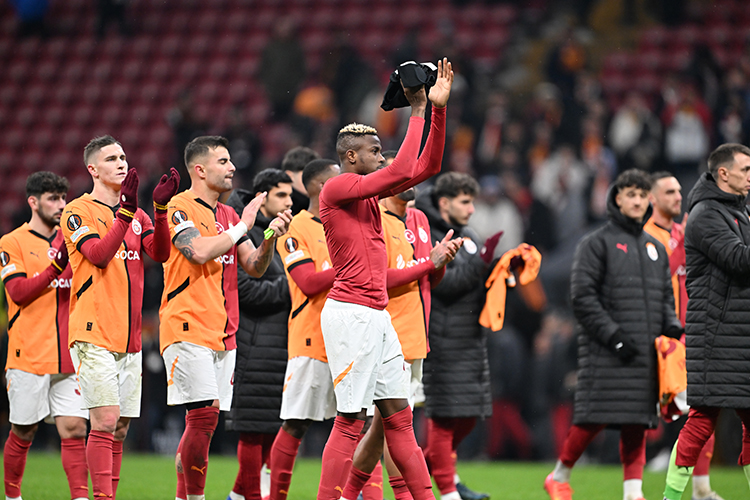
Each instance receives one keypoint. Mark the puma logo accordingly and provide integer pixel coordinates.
(377, 485)
(202, 470)
(283, 492)
(103, 222)
(202, 224)
(623, 247)
(338, 488)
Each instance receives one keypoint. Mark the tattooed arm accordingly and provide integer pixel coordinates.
(253, 260)
(199, 249)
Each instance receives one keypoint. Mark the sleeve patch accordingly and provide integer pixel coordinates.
(4, 259)
(74, 222)
(294, 256)
(80, 232)
(7, 270)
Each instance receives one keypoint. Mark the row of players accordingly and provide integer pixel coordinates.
(349, 339)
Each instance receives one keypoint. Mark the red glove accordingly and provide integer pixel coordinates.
(61, 259)
(128, 196)
(166, 188)
(488, 250)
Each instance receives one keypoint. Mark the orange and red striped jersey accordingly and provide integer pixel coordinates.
(407, 243)
(305, 242)
(106, 304)
(38, 330)
(200, 303)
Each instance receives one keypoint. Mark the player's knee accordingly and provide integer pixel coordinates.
(73, 428)
(25, 432)
(296, 428)
(121, 431)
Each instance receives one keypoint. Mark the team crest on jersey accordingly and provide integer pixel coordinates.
(219, 227)
(423, 235)
(4, 258)
(409, 234)
(178, 217)
(651, 251)
(291, 244)
(74, 222)
(137, 228)
(51, 253)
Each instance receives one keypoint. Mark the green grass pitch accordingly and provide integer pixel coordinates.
(146, 477)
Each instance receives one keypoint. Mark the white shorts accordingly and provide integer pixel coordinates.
(109, 378)
(197, 373)
(308, 391)
(364, 355)
(34, 397)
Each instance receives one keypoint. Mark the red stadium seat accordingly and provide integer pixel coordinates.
(54, 115)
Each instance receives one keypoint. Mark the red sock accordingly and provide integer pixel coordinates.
(373, 488)
(73, 455)
(398, 485)
(180, 492)
(99, 458)
(632, 451)
(355, 483)
(283, 454)
(250, 457)
(439, 454)
(14, 461)
(337, 457)
(406, 454)
(703, 466)
(201, 424)
(695, 433)
(579, 437)
(116, 465)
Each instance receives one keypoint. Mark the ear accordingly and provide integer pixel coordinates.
(444, 203)
(351, 156)
(33, 202)
(92, 170)
(199, 170)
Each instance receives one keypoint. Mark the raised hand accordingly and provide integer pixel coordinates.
(61, 258)
(251, 209)
(280, 224)
(166, 188)
(488, 249)
(441, 91)
(128, 196)
(445, 251)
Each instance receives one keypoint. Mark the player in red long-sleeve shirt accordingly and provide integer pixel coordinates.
(364, 353)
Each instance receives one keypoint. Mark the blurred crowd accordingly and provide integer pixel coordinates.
(544, 158)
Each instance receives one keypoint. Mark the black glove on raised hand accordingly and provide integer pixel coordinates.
(622, 347)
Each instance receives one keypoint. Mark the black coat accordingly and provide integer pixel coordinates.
(717, 248)
(456, 371)
(261, 339)
(619, 282)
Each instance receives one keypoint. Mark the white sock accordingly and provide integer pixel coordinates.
(265, 481)
(453, 495)
(561, 474)
(236, 496)
(632, 489)
(456, 479)
(344, 498)
(196, 497)
(81, 498)
(15, 498)
(701, 486)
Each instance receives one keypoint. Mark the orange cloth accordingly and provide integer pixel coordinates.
(672, 371)
(493, 313)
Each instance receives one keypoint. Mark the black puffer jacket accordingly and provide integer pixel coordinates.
(456, 371)
(717, 248)
(261, 339)
(619, 281)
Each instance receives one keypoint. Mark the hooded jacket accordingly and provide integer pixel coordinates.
(619, 282)
(261, 338)
(717, 250)
(456, 372)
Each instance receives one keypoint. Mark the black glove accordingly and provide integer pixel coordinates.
(622, 347)
(674, 332)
